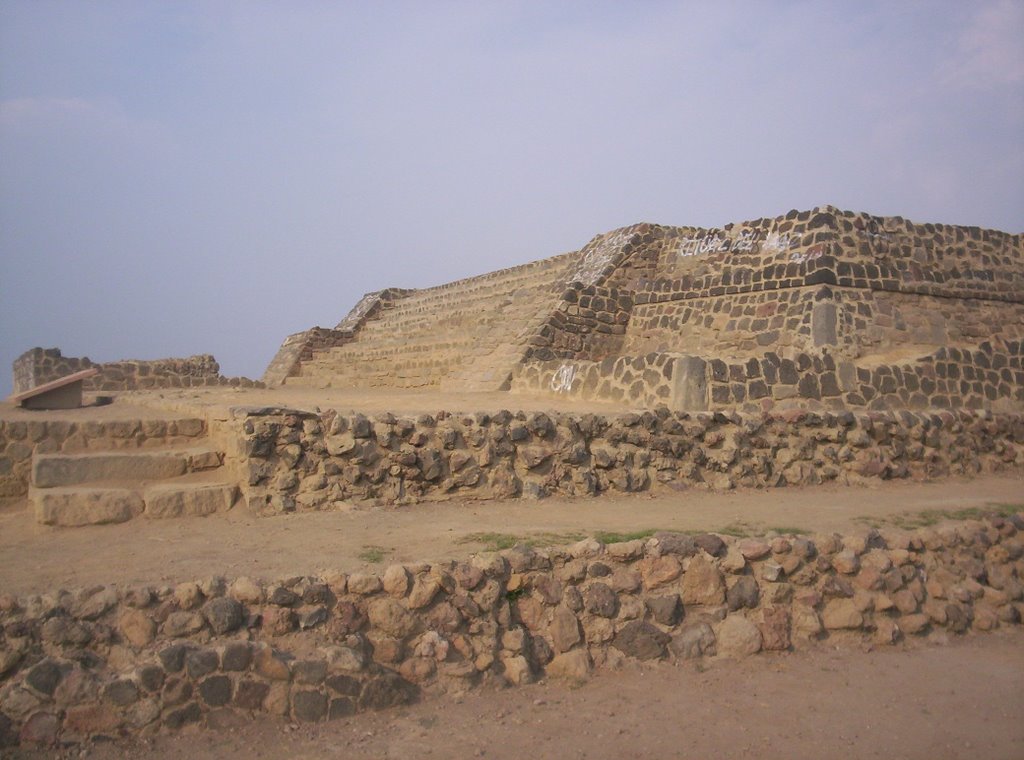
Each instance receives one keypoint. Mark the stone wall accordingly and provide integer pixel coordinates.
(948, 378)
(38, 366)
(293, 460)
(109, 662)
(589, 323)
(644, 382)
(20, 439)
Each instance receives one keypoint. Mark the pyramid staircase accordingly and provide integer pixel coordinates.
(467, 335)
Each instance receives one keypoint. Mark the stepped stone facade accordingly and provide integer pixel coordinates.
(820, 309)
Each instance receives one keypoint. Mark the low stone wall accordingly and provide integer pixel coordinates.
(296, 460)
(20, 439)
(38, 366)
(110, 662)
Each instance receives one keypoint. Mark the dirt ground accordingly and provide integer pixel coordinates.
(935, 701)
(36, 558)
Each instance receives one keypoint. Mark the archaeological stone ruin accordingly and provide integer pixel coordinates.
(821, 309)
(822, 346)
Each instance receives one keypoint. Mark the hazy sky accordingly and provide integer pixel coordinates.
(207, 177)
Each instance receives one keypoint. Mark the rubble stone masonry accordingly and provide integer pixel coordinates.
(293, 460)
(114, 661)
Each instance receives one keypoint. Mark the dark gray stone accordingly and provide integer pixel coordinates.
(121, 692)
(676, 543)
(224, 614)
(957, 620)
(641, 640)
(309, 706)
(44, 676)
(173, 657)
(66, 632)
(667, 610)
(341, 707)
(309, 671)
(215, 690)
(201, 662)
(387, 690)
(151, 677)
(599, 599)
(190, 713)
(598, 570)
(250, 694)
(8, 737)
(237, 656)
(283, 597)
(316, 593)
(313, 618)
(345, 685)
(744, 593)
(709, 542)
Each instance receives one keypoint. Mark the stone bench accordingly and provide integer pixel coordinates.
(62, 393)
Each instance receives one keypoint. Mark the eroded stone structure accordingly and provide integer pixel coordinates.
(38, 366)
(817, 309)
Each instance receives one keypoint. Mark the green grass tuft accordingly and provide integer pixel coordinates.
(372, 554)
(789, 530)
(612, 537)
(498, 541)
(926, 518)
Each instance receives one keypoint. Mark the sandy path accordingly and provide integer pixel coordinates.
(963, 700)
(35, 558)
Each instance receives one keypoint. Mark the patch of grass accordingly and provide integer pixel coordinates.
(789, 530)
(612, 537)
(499, 541)
(926, 518)
(1005, 510)
(372, 553)
(737, 529)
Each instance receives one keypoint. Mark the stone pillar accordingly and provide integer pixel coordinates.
(689, 384)
(823, 324)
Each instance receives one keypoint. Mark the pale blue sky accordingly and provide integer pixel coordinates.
(189, 177)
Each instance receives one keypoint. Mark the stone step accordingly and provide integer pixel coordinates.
(76, 506)
(60, 470)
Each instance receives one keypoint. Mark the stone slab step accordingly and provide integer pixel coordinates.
(74, 507)
(59, 470)
(199, 500)
(80, 505)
